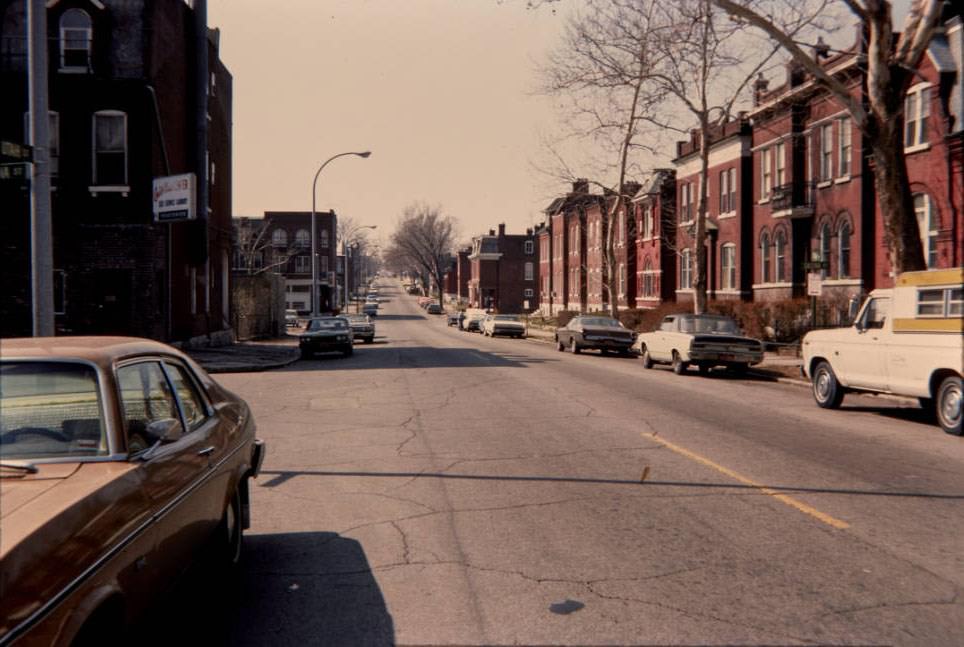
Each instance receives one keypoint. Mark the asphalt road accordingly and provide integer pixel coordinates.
(439, 487)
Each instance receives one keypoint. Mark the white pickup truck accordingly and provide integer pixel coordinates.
(906, 340)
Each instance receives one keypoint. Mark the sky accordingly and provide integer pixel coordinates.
(443, 92)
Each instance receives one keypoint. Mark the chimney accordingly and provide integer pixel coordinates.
(529, 231)
(581, 185)
(501, 229)
(492, 232)
(759, 88)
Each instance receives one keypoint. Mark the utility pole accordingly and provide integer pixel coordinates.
(41, 228)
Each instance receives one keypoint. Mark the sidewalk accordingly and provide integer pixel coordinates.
(247, 357)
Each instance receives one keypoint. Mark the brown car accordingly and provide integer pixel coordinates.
(121, 461)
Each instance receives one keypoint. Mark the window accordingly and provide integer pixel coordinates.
(876, 313)
(732, 183)
(622, 280)
(686, 202)
(53, 139)
(302, 264)
(826, 152)
(622, 229)
(685, 270)
(528, 247)
(279, 238)
(926, 223)
(110, 148)
(529, 271)
(303, 238)
(765, 173)
(649, 288)
(724, 192)
(843, 250)
(940, 302)
(192, 403)
(781, 163)
(765, 257)
(825, 248)
(323, 239)
(728, 265)
(528, 292)
(75, 40)
(146, 397)
(648, 222)
(780, 243)
(916, 111)
(845, 147)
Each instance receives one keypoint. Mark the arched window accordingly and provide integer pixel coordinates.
(825, 248)
(302, 238)
(279, 238)
(75, 40)
(324, 239)
(780, 245)
(765, 257)
(927, 224)
(843, 250)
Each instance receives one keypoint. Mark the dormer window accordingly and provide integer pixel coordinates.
(76, 35)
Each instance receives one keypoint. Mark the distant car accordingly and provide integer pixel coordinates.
(453, 318)
(433, 309)
(370, 309)
(595, 332)
(291, 318)
(326, 334)
(123, 462)
(703, 340)
(508, 325)
(362, 327)
(473, 321)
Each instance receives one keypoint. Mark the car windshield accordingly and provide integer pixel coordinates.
(601, 322)
(358, 318)
(506, 318)
(708, 324)
(327, 324)
(50, 410)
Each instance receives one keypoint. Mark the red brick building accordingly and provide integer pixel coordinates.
(504, 272)
(654, 208)
(289, 253)
(463, 270)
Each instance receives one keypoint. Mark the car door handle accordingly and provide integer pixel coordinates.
(206, 451)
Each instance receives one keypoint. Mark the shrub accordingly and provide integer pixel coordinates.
(565, 316)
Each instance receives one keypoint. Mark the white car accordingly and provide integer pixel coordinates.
(704, 340)
(508, 325)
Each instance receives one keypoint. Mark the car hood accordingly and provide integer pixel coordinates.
(830, 334)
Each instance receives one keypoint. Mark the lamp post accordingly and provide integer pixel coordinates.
(344, 252)
(314, 230)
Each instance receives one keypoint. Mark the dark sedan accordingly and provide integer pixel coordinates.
(326, 334)
(594, 332)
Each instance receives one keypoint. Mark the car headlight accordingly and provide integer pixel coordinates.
(342, 338)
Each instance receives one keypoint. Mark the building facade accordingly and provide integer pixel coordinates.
(125, 108)
(503, 271)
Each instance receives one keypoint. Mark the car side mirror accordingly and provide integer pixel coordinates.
(164, 431)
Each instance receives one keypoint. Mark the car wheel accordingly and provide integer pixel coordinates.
(679, 366)
(826, 389)
(573, 346)
(949, 405)
(348, 351)
(306, 354)
(704, 369)
(647, 359)
(230, 534)
(559, 345)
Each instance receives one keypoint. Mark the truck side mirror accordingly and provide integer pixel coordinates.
(853, 307)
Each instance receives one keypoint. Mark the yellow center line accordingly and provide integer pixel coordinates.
(790, 501)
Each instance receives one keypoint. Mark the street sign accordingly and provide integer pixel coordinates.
(814, 284)
(175, 198)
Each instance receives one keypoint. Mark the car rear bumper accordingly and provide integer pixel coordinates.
(715, 357)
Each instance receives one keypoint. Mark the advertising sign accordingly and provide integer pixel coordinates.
(814, 284)
(174, 198)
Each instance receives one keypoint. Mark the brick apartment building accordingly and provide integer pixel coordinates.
(655, 213)
(286, 249)
(124, 109)
(624, 252)
(503, 271)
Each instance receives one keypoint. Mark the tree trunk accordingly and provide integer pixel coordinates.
(699, 237)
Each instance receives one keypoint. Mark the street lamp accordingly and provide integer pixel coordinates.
(314, 231)
(344, 252)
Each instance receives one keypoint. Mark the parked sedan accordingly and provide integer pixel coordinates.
(473, 321)
(362, 327)
(121, 463)
(703, 340)
(326, 334)
(433, 309)
(508, 325)
(595, 332)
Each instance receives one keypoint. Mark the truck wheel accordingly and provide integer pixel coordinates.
(679, 366)
(826, 389)
(647, 359)
(949, 405)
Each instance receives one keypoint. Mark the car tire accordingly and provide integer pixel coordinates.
(679, 366)
(950, 405)
(306, 354)
(229, 535)
(348, 351)
(559, 345)
(573, 346)
(647, 359)
(826, 389)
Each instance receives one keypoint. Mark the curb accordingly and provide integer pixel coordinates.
(249, 368)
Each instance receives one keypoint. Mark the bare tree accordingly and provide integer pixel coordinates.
(604, 68)
(891, 61)
(253, 245)
(423, 240)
